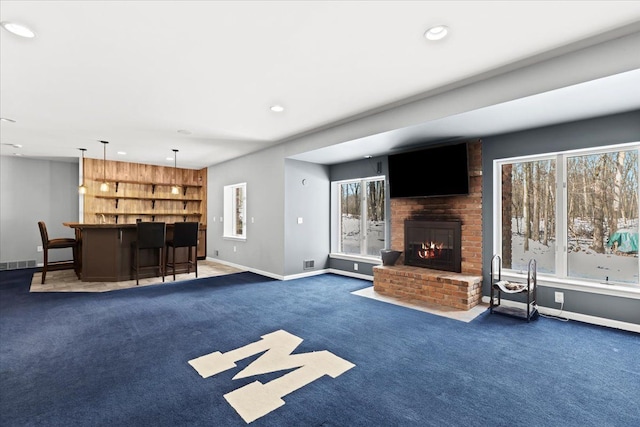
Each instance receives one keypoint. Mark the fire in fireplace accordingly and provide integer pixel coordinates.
(433, 244)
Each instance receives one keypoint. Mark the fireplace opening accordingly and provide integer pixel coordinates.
(433, 244)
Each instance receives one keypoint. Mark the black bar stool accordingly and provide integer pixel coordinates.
(185, 235)
(149, 235)
(59, 243)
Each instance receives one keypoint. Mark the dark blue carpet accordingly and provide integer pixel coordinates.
(120, 358)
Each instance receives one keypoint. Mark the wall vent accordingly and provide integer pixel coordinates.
(308, 264)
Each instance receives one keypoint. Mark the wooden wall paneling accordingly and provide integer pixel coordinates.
(138, 185)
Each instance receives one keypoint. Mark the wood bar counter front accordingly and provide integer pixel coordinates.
(107, 251)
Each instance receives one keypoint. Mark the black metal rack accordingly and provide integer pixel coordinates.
(498, 287)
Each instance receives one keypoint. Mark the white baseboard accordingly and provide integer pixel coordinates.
(350, 274)
(594, 320)
(245, 268)
(306, 274)
(267, 273)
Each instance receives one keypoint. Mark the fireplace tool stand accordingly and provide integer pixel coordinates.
(528, 289)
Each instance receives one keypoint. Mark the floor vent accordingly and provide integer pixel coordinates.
(308, 264)
(15, 265)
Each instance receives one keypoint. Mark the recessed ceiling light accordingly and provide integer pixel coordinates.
(16, 145)
(368, 156)
(18, 29)
(17, 154)
(437, 33)
(277, 108)
(184, 132)
(122, 153)
(5, 119)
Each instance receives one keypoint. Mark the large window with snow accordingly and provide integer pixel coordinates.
(361, 222)
(575, 212)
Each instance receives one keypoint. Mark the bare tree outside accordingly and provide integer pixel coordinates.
(601, 215)
(362, 231)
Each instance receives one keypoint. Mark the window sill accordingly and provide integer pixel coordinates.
(240, 239)
(353, 257)
(624, 291)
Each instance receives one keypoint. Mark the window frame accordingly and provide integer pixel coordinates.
(336, 217)
(231, 214)
(560, 279)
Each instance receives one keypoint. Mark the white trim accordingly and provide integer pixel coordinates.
(267, 273)
(594, 320)
(577, 152)
(350, 274)
(497, 207)
(353, 257)
(229, 230)
(245, 268)
(336, 210)
(306, 274)
(575, 285)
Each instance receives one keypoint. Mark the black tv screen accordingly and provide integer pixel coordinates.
(429, 172)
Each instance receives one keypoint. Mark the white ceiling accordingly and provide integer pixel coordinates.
(134, 73)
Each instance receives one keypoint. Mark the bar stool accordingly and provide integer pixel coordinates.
(185, 235)
(149, 235)
(58, 243)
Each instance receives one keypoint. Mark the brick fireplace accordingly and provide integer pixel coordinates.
(459, 290)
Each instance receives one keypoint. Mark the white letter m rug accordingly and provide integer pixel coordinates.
(255, 400)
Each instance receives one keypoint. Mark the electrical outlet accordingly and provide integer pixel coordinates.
(234, 249)
(559, 297)
(39, 248)
(355, 266)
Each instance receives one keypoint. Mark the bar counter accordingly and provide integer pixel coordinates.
(107, 251)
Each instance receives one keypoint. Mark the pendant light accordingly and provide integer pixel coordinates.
(104, 186)
(175, 189)
(82, 189)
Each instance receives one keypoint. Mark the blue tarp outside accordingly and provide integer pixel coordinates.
(627, 241)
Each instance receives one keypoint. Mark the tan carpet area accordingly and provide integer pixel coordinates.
(66, 280)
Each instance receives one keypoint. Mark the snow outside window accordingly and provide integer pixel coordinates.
(361, 221)
(235, 203)
(575, 212)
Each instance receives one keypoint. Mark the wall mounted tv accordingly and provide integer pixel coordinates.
(429, 172)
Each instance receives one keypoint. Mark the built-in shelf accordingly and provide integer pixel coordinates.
(152, 198)
(143, 192)
(153, 216)
(148, 198)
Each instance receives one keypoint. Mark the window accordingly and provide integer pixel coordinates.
(235, 205)
(360, 225)
(575, 212)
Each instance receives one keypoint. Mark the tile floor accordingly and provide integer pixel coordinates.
(452, 313)
(66, 280)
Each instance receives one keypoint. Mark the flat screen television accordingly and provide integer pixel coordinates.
(430, 172)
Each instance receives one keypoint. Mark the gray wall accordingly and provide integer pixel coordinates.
(31, 191)
(263, 249)
(311, 202)
(614, 129)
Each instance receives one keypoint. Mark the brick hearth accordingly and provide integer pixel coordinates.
(440, 287)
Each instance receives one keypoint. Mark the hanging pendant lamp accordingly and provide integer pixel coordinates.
(104, 186)
(82, 189)
(175, 189)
